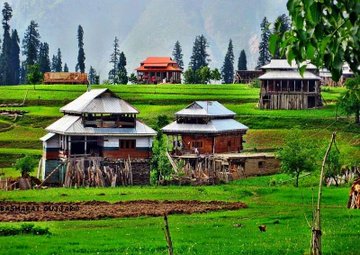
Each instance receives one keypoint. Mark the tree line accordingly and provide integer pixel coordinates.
(35, 53)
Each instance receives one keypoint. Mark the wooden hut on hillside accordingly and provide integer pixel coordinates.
(97, 127)
(283, 87)
(247, 76)
(206, 127)
(210, 141)
(65, 78)
(154, 70)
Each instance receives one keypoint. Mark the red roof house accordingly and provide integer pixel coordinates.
(159, 70)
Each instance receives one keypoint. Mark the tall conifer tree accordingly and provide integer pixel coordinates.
(178, 55)
(227, 70)
(15, 58)
(58, 67)
(199, 57)
(264, 54)
(44, 60)
(81, 54)
(242, 62)
(5, 63)
(122, 73)
(114, 60)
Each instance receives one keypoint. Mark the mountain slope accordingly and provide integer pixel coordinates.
(145, 28)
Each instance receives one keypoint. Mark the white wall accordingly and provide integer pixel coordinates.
(140, 141)
(53, 142)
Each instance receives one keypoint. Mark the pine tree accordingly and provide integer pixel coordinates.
(15, 58)
(122, 73)
(66, 68)
(92, 75)
(53, 63)
(6, 71)
(264, 54)
(227, 70)
(281, 25)
(199, 57)
(177, 54)
(58, 67)
(81, 54)
(114, 60)
(31, 43)
(242, 62)
(44, 60)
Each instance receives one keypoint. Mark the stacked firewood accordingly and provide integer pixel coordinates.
(96, 174)
(354, 198)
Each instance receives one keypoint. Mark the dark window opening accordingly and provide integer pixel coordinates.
(197, 144)
(298, 85)
(127, 144)
(311, 102)
(261, 164)
(311, 86)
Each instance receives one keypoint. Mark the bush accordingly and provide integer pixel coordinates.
(9, 231)
(24, 229)
(40, 231)
(26, 165)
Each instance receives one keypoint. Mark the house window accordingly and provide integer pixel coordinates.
(260, 164)
(127, 144)
(197, 144)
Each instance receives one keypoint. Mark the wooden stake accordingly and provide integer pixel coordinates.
(52, 172)
(167, 235)
(316, 229)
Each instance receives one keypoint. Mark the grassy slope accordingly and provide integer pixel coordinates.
(210, 233)
(267, 128)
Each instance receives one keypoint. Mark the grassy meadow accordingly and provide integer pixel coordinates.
(270, 199)
(267, 128)
(281, 207)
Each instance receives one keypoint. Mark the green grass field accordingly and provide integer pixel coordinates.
(208, 233)
(267, 128)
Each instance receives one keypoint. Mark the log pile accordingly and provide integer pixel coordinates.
(202, 171)
(93, 173)
(21, 183)
(354, 198)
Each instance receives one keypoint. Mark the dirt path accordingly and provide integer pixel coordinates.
(33, 211)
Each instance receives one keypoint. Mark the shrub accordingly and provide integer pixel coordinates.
(24, 229)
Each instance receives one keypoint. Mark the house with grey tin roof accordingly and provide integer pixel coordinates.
(283, 87)
(205, 127)
(96, 124)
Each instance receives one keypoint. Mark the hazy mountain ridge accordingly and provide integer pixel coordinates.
(145, 28)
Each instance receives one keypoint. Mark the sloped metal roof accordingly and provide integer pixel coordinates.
(205, 109)
(72, 125)
(212, 127)
(93, 102)
(47, 137)
(283, 64)
(289, 75)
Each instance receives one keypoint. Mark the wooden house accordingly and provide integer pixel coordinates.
(100, 125)
(247, 76)
(206, 127)
(283, 87)
(65, 78)
(155, 70)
